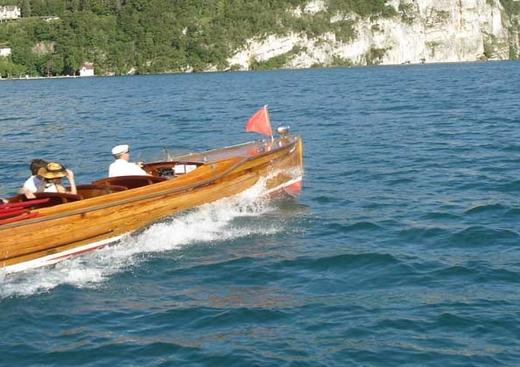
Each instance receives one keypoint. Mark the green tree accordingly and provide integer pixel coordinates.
(170, 35)
(25, 8)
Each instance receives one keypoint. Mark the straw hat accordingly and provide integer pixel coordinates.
(52, 170)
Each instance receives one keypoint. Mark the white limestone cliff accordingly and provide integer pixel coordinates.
(424, 31)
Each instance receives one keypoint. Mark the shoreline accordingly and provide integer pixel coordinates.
(45, 77)
(229, 71)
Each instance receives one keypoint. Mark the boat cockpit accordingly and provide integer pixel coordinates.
(159, 172)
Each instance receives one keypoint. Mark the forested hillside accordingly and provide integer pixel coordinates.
(54, 37)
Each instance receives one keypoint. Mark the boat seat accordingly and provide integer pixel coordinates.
(90, 191)
(130, 182)
(55, 198)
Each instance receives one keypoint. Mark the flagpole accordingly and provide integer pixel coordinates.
(269, 117)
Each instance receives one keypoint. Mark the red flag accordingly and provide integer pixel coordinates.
(260, 122)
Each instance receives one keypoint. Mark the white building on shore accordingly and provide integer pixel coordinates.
(9, 12)
(5, 51)
(87, 69)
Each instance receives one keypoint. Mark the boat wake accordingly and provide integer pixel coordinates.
(212, 223)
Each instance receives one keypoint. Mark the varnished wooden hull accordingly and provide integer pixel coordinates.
(69, 229)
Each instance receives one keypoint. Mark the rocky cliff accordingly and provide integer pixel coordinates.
(419, 31)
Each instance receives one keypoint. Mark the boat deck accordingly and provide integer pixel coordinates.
(246, 150)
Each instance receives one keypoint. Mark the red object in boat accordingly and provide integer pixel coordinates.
(24, 215)
(14, 212)
(22, 204)
(8, 213)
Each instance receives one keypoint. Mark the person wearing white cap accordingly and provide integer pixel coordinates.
(121, 166)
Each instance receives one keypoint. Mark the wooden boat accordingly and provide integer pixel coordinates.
(55, 227)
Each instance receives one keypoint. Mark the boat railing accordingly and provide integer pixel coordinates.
(248, 149)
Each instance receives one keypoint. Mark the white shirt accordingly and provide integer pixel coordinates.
(33, 183)
(50, 187)
(121, 167)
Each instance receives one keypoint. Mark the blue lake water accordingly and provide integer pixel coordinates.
(402, 250)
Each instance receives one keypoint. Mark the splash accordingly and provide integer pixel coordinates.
(212, 224)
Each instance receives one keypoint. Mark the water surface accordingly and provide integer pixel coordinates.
(401, 251)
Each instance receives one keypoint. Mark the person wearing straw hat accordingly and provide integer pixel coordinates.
(52, 174)
(121, 166)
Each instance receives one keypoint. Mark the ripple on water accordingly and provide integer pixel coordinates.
(482, 236)
(487, 208)
(510, 186)
(424, 234)
(441, 216)
(343, 262)
(515, 212)
(341, 228)
(325, 199)
(363, 226)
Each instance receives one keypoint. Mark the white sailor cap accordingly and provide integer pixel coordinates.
(119, 149)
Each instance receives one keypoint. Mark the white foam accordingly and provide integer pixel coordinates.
(211, 223)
